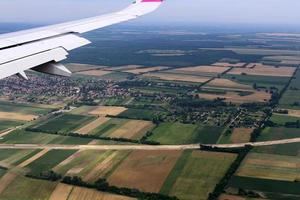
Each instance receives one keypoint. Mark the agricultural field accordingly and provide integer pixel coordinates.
(267, 166)
(239, 97)
(264, 70)
(144, 114)
(28, 189)
(145, 170)
(261, 82)
(201, 70)
(241, 135)
(6, 124)
(178, 133)
(277, 134)
(177, 77)
(67, 192)
(146, 69)
(64, 123)
(25, 109)
(48, 160)
(282, 119)
(196, 173)
(107, 110)
(91, 165)
(78, 67)
(95, 73)
(227, 83)
(123, 128)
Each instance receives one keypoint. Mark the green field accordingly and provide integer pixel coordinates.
(144, 114)
(5, 124)
(49, 160)
(282, 119)
(15, 157)
(196, 174)
(26, 137)
(23, 188)
(24, 108)
(65, 123)
(178, 133)
(109, 126)
(261, 81)
(274, 186)
(278, 134)
(291, 98)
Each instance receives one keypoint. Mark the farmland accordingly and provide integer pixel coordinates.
(177, 133)
(64, 123)
(196, 174)
(183, 88)
(145, 170)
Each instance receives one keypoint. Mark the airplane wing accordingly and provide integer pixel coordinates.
(41, 49)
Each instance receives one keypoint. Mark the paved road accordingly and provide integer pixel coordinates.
(257, 144)
(143, 147)
(99, 147)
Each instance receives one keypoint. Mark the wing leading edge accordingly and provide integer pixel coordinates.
(42, 48)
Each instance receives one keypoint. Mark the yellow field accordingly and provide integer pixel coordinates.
(145, 170)
(264, 70)
(241, 135)
(107, 110)
(17, 116)
(234, 97)
(226, 83)
(79, 193)
(145, 70)
(204, 69)
(61, 192)
(94, 72)
(267, 166)
(91, 126)
(133, 129)
(177, 77)
(6, 180)
(225, 64)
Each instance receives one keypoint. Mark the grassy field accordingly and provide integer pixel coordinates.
(26, 137)
(267, 166)
(265, 185)
(5, 124)
(282, 119)
(14, 157)
(277, 134)
(196, 174)
(49, 160)
(24, 108)
(140, 114)
(28, 189)
(178, 133)
(261, 81)
(65, 123)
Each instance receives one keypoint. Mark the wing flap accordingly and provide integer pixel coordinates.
(29, 62)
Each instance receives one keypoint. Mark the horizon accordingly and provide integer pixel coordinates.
(272, 12)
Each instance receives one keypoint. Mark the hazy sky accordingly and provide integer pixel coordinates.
(186, 11)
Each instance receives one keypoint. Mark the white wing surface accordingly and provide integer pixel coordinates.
(42, 49)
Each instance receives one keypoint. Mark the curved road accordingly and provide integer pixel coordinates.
(144, 147)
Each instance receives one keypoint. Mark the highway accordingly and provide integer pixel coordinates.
(145, 147)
